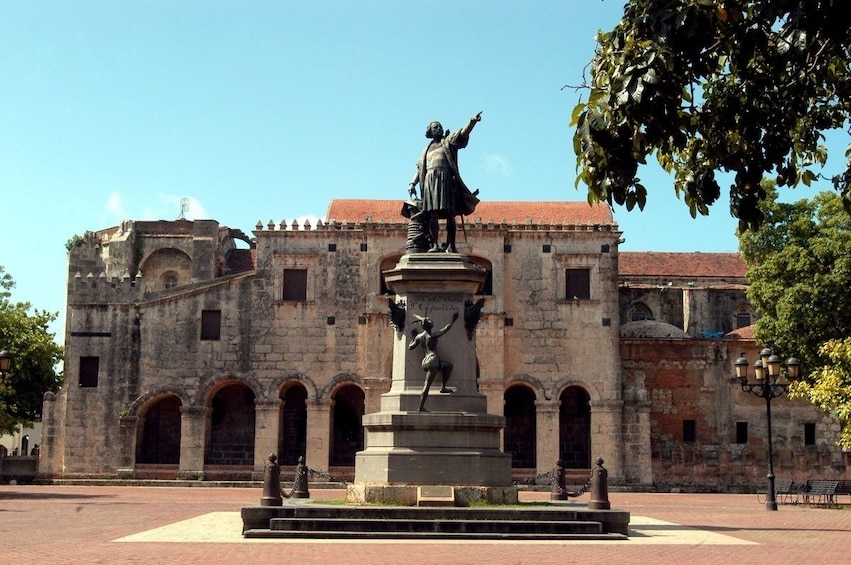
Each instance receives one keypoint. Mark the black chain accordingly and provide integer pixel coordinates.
(554, 484)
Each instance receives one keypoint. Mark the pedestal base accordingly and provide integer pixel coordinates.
(433, 448)
(406, 495)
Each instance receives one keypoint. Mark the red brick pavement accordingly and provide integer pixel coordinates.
(79, 525)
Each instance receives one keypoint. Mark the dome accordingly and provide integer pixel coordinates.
(652, 329)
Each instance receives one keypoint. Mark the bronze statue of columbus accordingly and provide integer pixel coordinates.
(443, 194)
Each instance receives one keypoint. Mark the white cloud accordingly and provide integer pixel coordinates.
(115, 207)
(497, 164)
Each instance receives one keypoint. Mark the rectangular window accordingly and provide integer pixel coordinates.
(211, 325)
(689, 431)
(809, 433)
(295, 285)
(741, 432)
(577, 284)
(89, 371)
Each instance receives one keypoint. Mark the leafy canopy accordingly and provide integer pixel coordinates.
(741, 86)
(35, 357)
(799, 269)
(829, 387)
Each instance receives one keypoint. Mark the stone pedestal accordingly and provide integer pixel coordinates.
(456, 442)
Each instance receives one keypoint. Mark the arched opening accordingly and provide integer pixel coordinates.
(520, 426)
(639, 312)
(231, 427)
(159, 438)
(346, 427)
(574, 428)
(293, 434)
(165, 268)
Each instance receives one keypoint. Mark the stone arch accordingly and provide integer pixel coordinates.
(138, 406)
(212, 385)
(288, 379)
(338, 381)
(160, 262)
(570, 380)
(158, 430)
(347, 409)
(532, 382)
(519, 438)
(230, 424)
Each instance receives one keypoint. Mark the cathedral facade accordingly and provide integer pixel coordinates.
(194, 351)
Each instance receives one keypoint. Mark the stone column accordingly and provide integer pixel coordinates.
(318, 434)
(267, 424)
(193, 425)
(607, 436)
(52, 446)
(127, 426)
(643, 455)
(546, 433)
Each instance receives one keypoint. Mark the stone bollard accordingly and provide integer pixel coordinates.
(272, 483)
(300, 482)
(599, 488)
(558, 492)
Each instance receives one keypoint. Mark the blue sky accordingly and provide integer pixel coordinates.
(268, 110)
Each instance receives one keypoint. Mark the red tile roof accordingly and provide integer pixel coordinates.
(697, 264)
(556, 213)
(746, 332)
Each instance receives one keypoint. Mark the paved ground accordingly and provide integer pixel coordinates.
(159, 525)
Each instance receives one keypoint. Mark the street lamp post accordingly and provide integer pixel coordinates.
(5, 362)
(767, 372)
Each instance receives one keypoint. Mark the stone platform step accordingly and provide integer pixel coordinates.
(336, 534)
(557, 522)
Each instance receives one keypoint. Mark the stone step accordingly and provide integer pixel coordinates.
(471, 527)
(337, 534)
(556, 522)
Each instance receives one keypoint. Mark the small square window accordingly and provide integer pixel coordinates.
(295, 285)
(89, 367)
(211, 325)
(547, 248)
(577, 284)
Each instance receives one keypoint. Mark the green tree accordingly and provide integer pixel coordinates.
(35, 357)
(740, 86)
(829, 386)
(799, 270)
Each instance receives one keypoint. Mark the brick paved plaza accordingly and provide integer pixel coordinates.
(156, 525)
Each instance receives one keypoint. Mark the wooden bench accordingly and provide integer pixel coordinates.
(784, 492)
(820, 493)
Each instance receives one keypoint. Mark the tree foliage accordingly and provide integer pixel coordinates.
(35, 357)
(799, 270)
(829, 386)
(741, 86)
